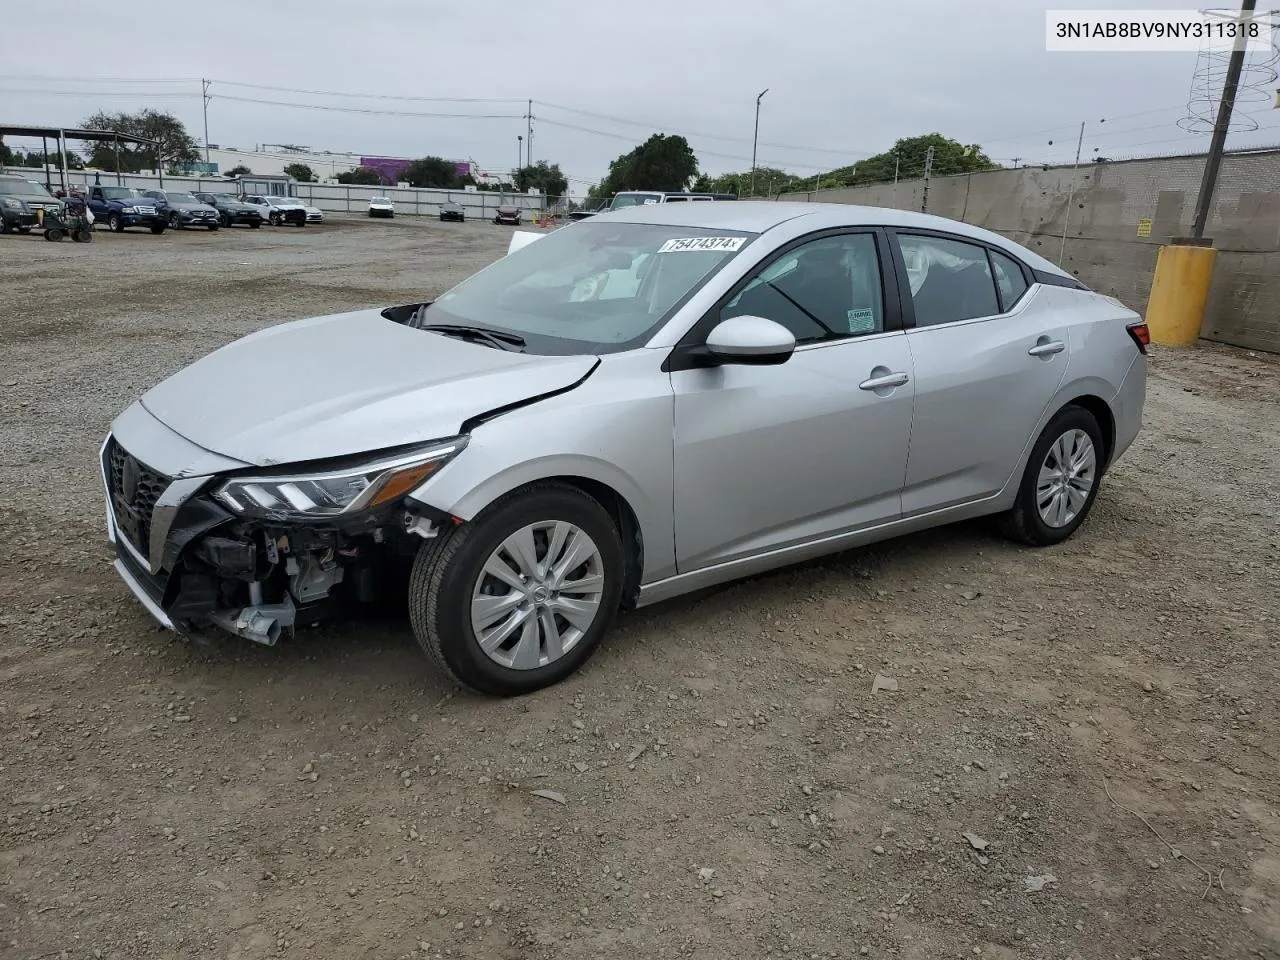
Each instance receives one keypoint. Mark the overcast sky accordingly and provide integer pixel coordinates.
(845, 77)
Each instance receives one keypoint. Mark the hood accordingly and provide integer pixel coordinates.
(191, 207)
(345, 384)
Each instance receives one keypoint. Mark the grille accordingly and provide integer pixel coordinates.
(135, 488)
(148, 211)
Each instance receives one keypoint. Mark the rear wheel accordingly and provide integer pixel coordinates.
(520, 597)
(1060, 482)
(255, 224)
(175, 221)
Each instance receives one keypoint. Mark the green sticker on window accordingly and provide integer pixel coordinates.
(861, 321)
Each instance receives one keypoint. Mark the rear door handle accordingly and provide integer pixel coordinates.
(1047, 348)
(884, 382)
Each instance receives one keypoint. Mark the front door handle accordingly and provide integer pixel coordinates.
(1046, 348)
(884, 382)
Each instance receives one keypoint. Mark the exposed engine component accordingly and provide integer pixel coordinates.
(311, 576)
(259, 622)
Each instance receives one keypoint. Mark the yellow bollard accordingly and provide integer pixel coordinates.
(1179, 292)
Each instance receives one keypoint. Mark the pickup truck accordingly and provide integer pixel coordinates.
(121, 207)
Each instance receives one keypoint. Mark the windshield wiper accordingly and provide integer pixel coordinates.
(495, 338)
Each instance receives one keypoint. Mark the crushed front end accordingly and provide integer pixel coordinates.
(257, 552)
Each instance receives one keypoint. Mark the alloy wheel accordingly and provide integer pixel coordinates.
(537, 595)
(1066, 479)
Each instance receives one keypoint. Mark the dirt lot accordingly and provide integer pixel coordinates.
(734, 787)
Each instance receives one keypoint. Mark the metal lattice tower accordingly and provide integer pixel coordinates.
(1257, 79)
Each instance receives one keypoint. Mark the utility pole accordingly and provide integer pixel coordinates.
(754, 139)
(1204, 202)
(529, 118)
(1015, 162)
(1071, 196)
(204, 93)
(519, 159)
(928, 169)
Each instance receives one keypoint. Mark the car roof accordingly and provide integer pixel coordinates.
(758, 216)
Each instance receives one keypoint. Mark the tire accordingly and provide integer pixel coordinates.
(1026, 522)
(83, 235)
(54, 235)
(6, 227)
(449, 570)
(225, 221)
(212, 227)
(175, 222)
(159, 228)
(254, 224)
(115, 224)
(274, 219)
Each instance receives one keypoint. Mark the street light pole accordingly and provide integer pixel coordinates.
(755, 138)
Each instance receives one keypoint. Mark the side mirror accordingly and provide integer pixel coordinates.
(750, 340)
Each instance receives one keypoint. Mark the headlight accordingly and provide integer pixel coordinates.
(129, 210)
(332, 493)
(12, 204)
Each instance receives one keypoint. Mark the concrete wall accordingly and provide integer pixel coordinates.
(1107, 202)
(335, 198)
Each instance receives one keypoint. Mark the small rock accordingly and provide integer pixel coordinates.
(1147, 686)
(706, 873)
(637, 753)
(551, 795)
(971, 594)
(807, 790)
(976, 841)
(308, 767)
(1153, 864)
(579, 725)
(581, 767)
(233, 719)
(722, 723)
(881, 682)
(878, 850)
(1037, 883)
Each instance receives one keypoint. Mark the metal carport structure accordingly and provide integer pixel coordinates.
(63, 134)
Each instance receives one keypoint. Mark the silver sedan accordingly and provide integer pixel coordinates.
(632, 407)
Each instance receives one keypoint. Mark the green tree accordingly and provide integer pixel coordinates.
(363, 176)
(239, 171)
(7, 156)
(173, 145)
(547, 179)
(300, 172)
(660, 163)
(908, 154)
(433, 172)
(769, 181)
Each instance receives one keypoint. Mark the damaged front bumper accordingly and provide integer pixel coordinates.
(193, 563)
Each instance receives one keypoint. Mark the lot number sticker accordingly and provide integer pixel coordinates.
(701, 243)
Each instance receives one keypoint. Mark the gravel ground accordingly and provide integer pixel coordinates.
(1099, 717)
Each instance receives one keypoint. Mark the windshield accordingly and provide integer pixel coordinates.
(23, 188)
(181, 198)
(121, 193)
(634, 200)
(379, 200)
(593, 287)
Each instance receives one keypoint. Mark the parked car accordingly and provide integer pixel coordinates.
(381, 207)
(183, 209)
(508, 213)
(24, 203)
(452, 211)
(650, 402)
(314, 214)
(232, 211)
(280, 210)
(123, 207)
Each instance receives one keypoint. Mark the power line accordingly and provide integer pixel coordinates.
(371, 110)
(366, 96)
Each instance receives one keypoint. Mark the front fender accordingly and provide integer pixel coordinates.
(614, 429)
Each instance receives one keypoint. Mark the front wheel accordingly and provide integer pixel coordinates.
(1060, 482)
(175, 222)
(255, 224)
(520, 597)
(275, 219)
(115, 224)
(213, 226)
(158, 228)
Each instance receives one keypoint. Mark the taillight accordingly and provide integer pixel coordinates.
(1141, 335)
